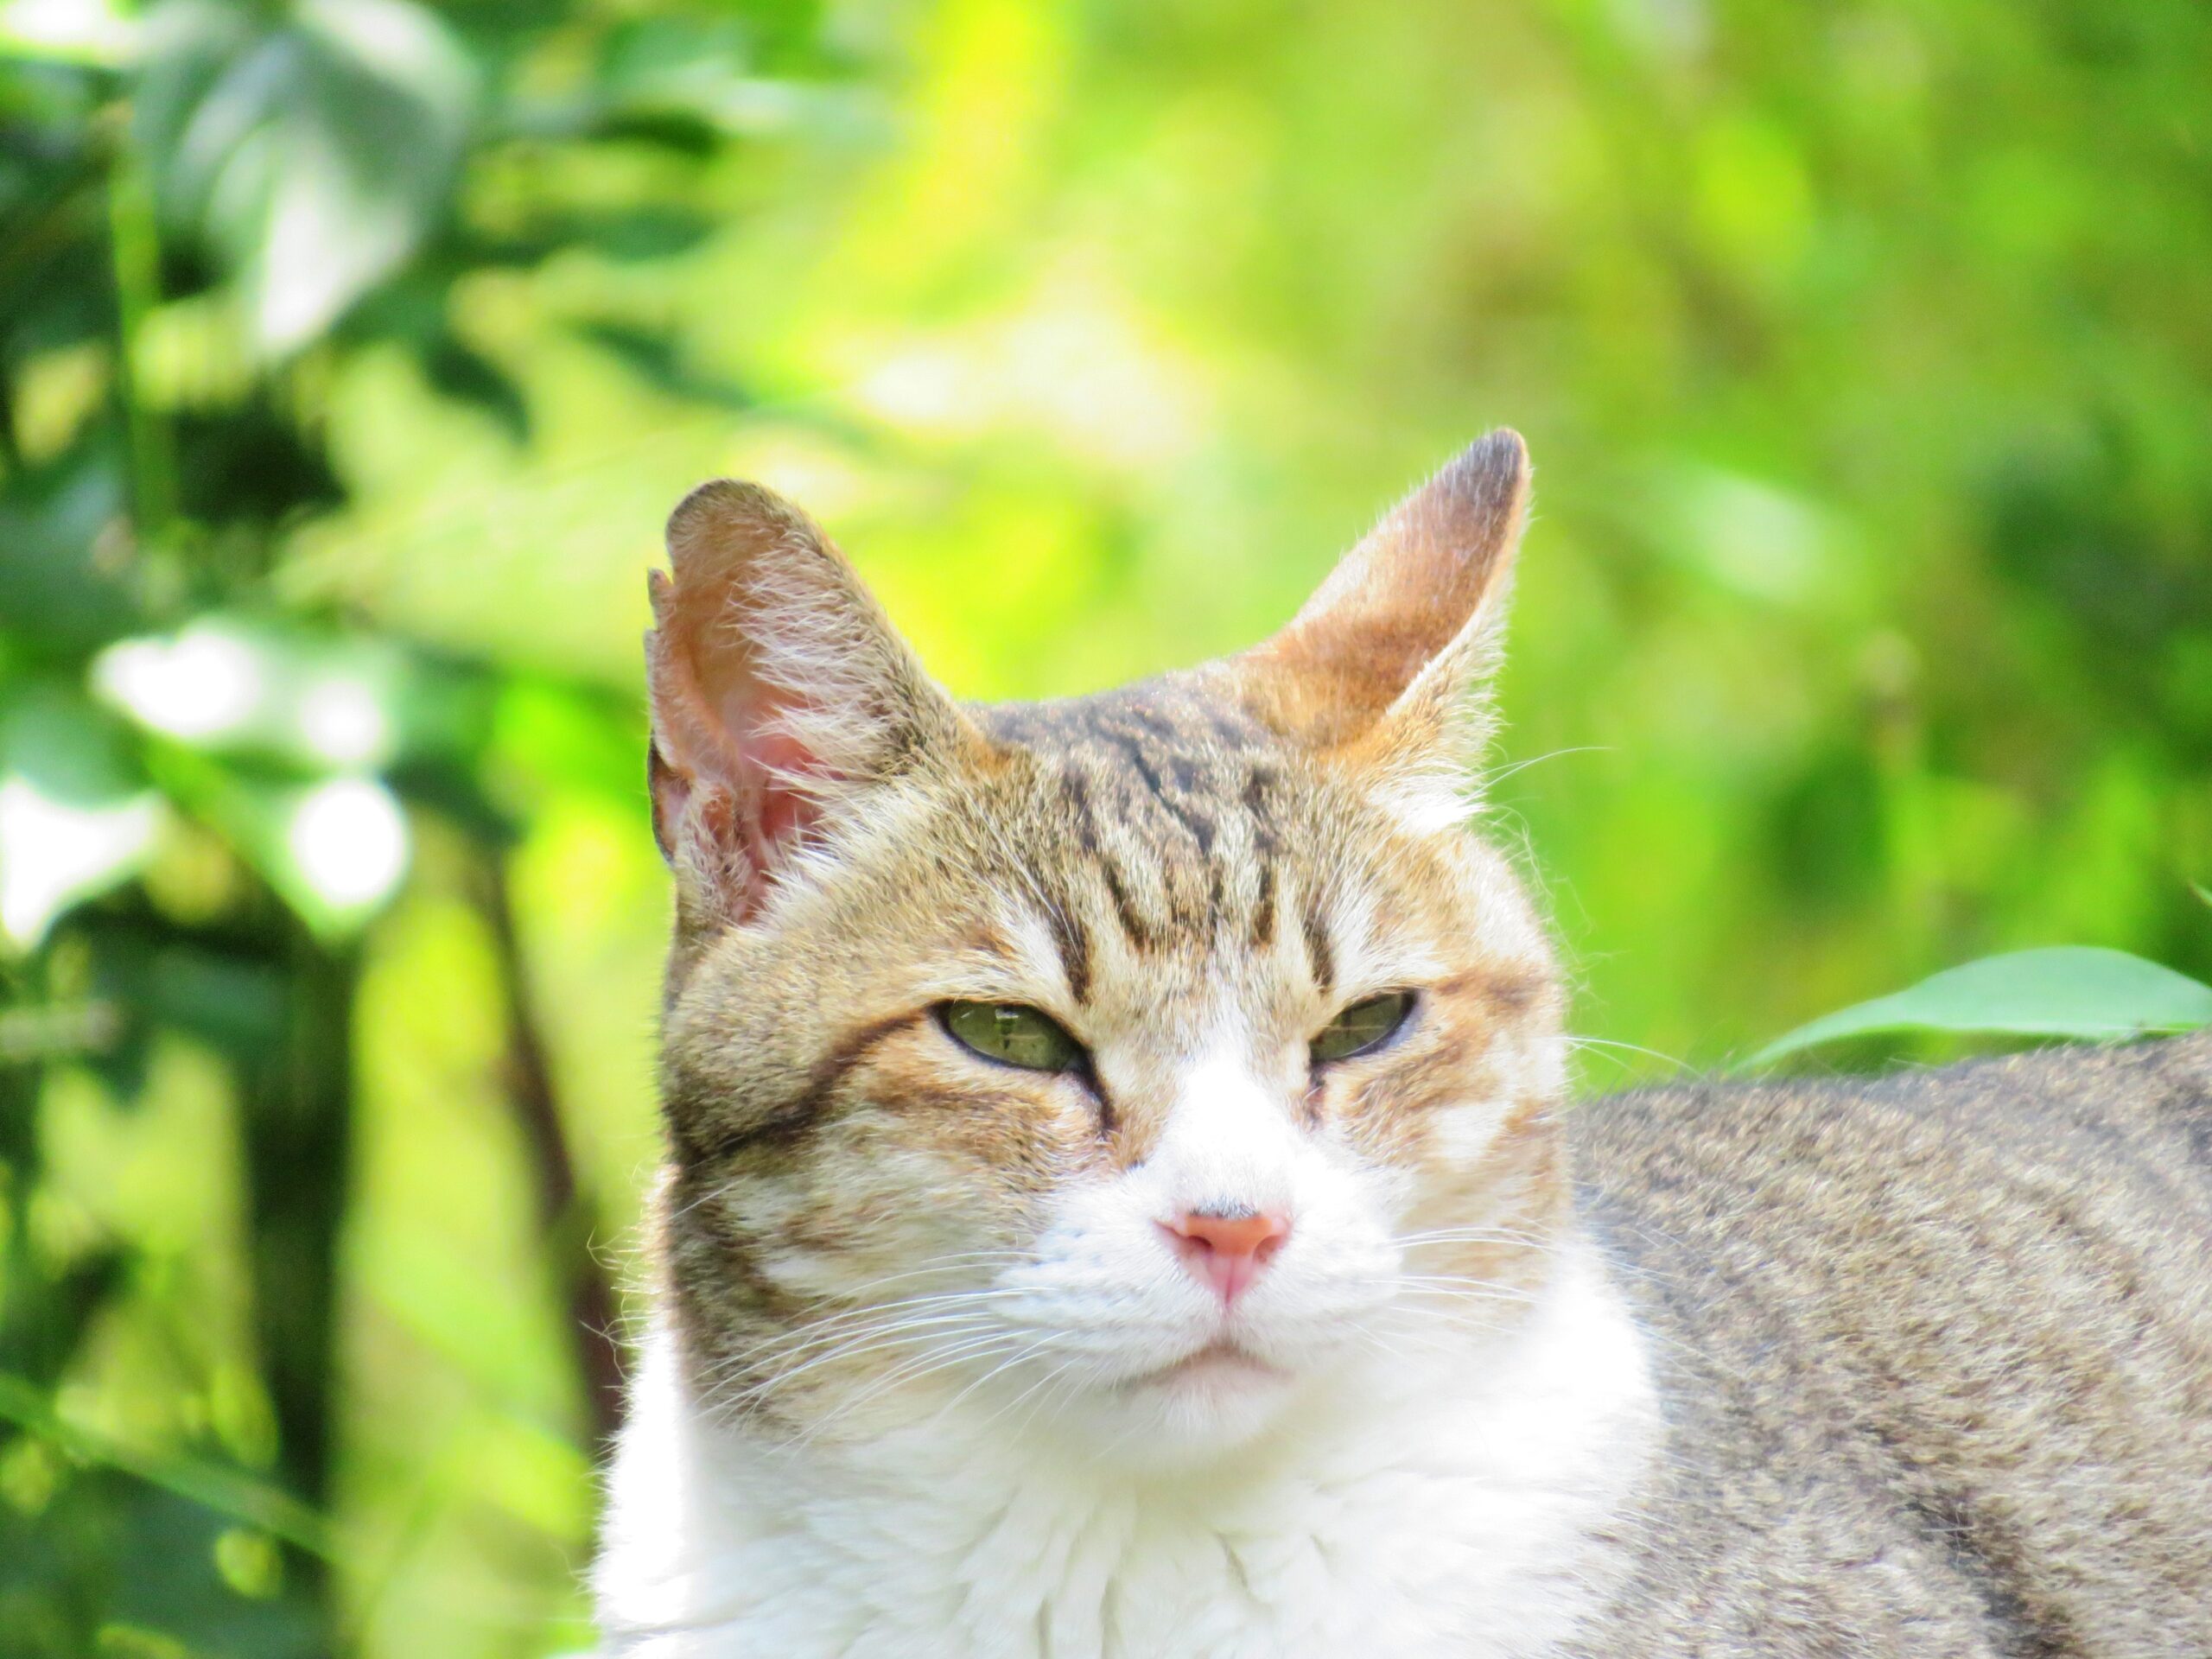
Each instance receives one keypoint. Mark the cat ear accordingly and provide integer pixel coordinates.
(780, 692)
(1398, 645)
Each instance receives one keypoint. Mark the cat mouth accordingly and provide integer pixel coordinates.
(1220, 1362)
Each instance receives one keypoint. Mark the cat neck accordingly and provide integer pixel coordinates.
(1456, 1499)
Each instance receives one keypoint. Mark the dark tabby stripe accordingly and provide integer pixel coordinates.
(783, 1124)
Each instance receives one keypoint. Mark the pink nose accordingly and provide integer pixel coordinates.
(1226, 1253)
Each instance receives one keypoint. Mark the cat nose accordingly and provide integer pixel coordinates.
(1225, 1253)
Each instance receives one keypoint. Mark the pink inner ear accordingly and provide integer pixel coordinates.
(770, 766)
(730, 785)
(732, 834)
(783, 811)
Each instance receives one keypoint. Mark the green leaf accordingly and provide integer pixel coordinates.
(226, 1491)
(57, 595)
(2065, 991)
(465, 374)
(658, 360)
(314, 147)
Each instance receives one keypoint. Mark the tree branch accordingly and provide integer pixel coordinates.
(564, 1217)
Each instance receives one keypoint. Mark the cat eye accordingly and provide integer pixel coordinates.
(1365, 1025)
(1012, 1034)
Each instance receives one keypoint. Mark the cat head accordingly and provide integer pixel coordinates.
(1154, 1058)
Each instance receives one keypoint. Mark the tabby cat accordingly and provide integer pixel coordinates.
(1122, 1200)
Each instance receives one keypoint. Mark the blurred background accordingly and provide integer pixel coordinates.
(352, 353)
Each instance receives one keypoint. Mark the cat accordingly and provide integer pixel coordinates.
(1122, 1199)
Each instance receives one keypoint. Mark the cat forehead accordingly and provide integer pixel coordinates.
(1172, 761)
(1140, 727)
(1193, 828)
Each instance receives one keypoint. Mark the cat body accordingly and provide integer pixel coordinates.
(1121, 1201)
(1935, 1355)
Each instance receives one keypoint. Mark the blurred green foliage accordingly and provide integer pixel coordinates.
(351, 351)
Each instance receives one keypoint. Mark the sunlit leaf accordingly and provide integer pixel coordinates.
(70, 31)
(347, 840)
(226, 686)
(681, 68)
(314, 147)
(53, 852)
(2067, 991)
(75, 820)
(207, 684)
(335, 851)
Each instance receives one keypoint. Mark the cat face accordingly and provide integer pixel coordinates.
(1133, 1065)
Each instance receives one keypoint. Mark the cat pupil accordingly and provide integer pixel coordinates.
(1012, 1034)
(1365, 1025)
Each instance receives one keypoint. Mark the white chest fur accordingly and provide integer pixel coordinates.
(1443, 1505)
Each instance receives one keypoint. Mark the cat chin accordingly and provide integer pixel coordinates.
(1214, 1401)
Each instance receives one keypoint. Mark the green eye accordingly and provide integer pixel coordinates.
(1013, 1034)
(1362, 1025)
